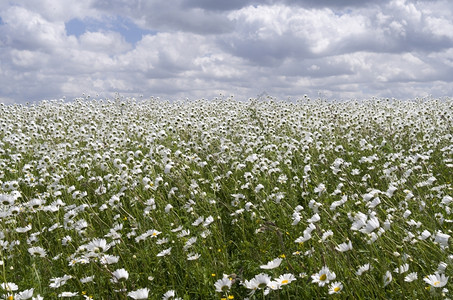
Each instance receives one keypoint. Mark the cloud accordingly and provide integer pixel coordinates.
(24, 29)
(54, 11)
(182, 48)
(330, 4)
(220, 5)
(168, 16)
(280, 31)
(217, 5)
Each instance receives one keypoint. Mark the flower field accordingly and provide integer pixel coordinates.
(262, 199)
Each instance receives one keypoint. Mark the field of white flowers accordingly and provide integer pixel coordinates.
(226, 199)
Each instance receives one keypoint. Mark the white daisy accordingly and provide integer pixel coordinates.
(285, 279)
(387, 278)
(9, 286)
(119, 274)
(26, 294)
(402, 269)
(139, 294)
(362, 269)
(272, 264)
(323, 277)
(335, 287)
(37, 251)
(164, 252)
(223, 285)
(437, 280)
(262, 280)
(343, 247)
(67, 294)
(411, 277)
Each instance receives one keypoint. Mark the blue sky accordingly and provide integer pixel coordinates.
(128, 29)
(202, 48)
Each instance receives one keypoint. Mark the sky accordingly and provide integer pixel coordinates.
(192, 49)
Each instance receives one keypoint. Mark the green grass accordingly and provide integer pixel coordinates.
(223, 182)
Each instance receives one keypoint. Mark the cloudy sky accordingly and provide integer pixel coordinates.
(193, 49)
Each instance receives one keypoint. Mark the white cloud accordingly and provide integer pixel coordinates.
(105, 42)
(56, 11)
(25, 29)
(168, 16)
(441, 27)
(397, 48)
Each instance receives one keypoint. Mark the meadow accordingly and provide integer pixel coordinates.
(128, 198)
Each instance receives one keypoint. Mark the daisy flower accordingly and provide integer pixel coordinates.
(208, 221)
(223, 285)
(323, 277)
(108, 259)
(23, 229)
(67, 294)
(171, 294)
(193, 256)
(387, 278)
(164, 252)
(274, 285)
(27, 294)
(262, 280)
(37, 251)
(326, 234)
(87, 279)
(285, 279)
(97, 245)
(119, 274)
(7, 199)
(251, 284)
(272, 264)
(315, 218)
(343, 247)
(168, 208)
(198, 221)
(402, 269)
(362, 269)
(442, 239)
(56, 282)
(335, 287)
(139, 294)
(437, 280)
(424, 235)
(441, 268)
(9, 286)
(411, 277)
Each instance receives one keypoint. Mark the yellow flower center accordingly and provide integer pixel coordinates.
(285, 281)
(436, 283)
(336, 289)
(323, 277)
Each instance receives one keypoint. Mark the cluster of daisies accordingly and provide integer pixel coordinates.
(226, 199)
